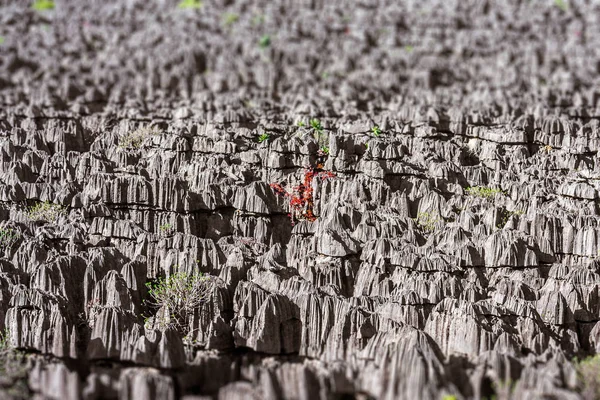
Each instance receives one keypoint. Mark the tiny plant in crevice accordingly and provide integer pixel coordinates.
(318, 132)
(376, 131)
(1, 40)
(548, 149)
(483, 191)
(177, 297)
(43, 5)
(135, 139)
(449, 397)
(5, 340)
(45, 211)
(300, 198)
(190, 4)
(562, 4)
(427, 221)
(505, 215)
(264, 41)
(263, 137)
(165, 229)
(8, 237)
(230, 18)
(315, 124)
(409, 48)
(92, 311)
(324, 151)
(300, 124)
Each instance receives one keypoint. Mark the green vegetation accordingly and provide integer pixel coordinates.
(505, 215)
(449, 397)
(562, 4)
(8, 237)
(264, 41)
(315, 124)
(45, 211)
(409, 48)
(588, 375)
(318, 133)
(1, 40)
(427, 221)
(5, 340)
(376, 131)
(483, 191)
(43, 5)
(136, 138)
(230, 19)
(324, 150)
(190, 4)
(301, 124)
(263, 137)
(177, 297)
(165, 228)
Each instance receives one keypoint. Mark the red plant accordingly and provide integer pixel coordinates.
(301, 197)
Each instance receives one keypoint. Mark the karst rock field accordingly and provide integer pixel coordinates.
(300, 199)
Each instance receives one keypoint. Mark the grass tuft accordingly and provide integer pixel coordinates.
(263, 137)
(482, 191)
(190, 4)
(136, 138)
(43, 5)
(264, 41)
(45, 211)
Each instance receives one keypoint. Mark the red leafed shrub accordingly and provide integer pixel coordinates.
(301, 196)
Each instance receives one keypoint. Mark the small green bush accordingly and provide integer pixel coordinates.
(5, 340)
(427, 221)
(43, 5)
(482, 191)
(190, 4)
(8, 237)
(178, 295)
(318, 132)
(165, 227)
(263, 137)
(315, 124)
(376, 130)
(136, 138)
(562, 4)
(45, 211)
(264, 41)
